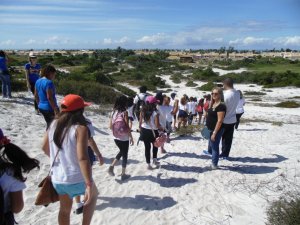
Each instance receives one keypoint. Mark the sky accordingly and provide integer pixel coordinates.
(151, 24)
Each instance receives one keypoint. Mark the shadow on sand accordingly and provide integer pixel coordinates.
(250, 169)
(167, 182)
(276, 159)
(181, 154)
(178, 168)
(26, 101)
(144, 202)
(254, 129)
(100, 131)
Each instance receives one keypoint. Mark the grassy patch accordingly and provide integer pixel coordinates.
(188, 130)
(191, 84)
(257, 120)
(295, 97)
(207, 87)
(285, 211)
(288, 104)
(254, 93)
(256, 100)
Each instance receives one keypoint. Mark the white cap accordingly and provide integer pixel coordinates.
(32, 55)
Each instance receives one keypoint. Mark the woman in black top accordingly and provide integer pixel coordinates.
(214, 122)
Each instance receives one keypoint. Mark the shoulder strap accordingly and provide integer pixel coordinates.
(53, 161)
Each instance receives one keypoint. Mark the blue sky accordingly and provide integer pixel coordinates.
(195, 24)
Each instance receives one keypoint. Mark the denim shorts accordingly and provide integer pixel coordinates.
(70, 189)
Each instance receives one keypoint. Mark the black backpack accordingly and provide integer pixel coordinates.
(5, 218)
(138, 106)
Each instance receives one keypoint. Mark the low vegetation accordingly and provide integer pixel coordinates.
(288, 104)
(285, 211)
(254, 93)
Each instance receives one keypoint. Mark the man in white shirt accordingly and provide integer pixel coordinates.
(139, 100)
(231, 99)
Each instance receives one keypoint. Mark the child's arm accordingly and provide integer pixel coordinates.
(95, 149)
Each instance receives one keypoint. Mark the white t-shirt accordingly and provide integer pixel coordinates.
(113, 116)
(191, 106)
(231, 99)
(130, 111)
(140, 96)
(10, 184)
(152, 123)
(66, 169)
(165, 114)
(183, 107)
(240, 107)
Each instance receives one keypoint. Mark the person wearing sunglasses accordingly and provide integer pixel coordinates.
(214, 122)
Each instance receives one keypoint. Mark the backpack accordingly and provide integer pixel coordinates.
(138, 106)
(5, 218)
(119, 127)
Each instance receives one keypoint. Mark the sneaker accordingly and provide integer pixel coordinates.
(125, 176)
(213, 167)
(149, 167)
(206, 152)
(37, 112)
(79, 210)
(111, 171)
(156, 163)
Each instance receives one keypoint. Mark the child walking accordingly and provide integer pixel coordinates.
(119, 124)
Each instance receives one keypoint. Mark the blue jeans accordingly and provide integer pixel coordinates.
(213, 146)
(6, 86)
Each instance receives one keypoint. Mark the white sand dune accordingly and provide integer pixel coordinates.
(264, 164)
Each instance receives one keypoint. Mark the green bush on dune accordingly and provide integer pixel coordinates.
(285, 211)
(90, 91)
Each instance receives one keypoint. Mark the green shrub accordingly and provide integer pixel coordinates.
(256, 100)
(191, 84)
(254, 93)
(207, 74)
(288, 104)
(176, 78)
(284, 211)
(18, 84)
(207, 87)
(90, 91)
(125, 90)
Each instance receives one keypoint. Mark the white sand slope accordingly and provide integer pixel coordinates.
(264, 164)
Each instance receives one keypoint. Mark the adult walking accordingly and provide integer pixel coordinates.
(231, 100)
(66, 143)
(45, 94)
(240, 109)
(149, 126)
(4, 75)
(139, 101)
(120, 122)
(214, 122)
(32, 74)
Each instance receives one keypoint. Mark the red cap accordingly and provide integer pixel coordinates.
(73, 102)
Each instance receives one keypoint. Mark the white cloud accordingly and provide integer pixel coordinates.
(249, 41)
(156, 39)
(123, 40)
(30, 41)
(288, 41)
(8, 43)
(56, 40)
(107, 41)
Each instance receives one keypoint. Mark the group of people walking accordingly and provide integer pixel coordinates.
(69, 142)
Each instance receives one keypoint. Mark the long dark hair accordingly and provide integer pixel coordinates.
(64, 121)
(121, 104)
(14, 160)
(148, 110)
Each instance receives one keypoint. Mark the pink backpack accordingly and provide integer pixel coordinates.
(119, 127)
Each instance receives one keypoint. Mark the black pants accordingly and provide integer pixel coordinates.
(48, 116)
(238, 117)
(123, 146)
(148, 138)
(227, 139)
(32, 89)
